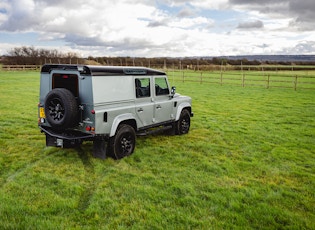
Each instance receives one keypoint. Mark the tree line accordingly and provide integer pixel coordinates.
(177, 63)
(195, 63)
(37, 56)
(32, 56)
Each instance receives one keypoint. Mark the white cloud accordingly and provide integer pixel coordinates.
(210, 4)
(163, 27)
(191, 22)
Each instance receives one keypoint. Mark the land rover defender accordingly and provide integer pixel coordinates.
(108, 105)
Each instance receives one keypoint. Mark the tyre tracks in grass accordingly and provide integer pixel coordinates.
(91, 181)
(91, 178)
(28, 165)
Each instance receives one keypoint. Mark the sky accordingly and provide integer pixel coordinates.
(160, 28)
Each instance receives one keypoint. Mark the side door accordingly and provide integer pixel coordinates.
(144, 101)
(163, 103)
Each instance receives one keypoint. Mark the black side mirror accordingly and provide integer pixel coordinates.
(173, 91)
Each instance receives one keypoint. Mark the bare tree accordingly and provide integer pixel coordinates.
(31, 56)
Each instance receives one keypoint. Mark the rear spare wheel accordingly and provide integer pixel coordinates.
(61, 108)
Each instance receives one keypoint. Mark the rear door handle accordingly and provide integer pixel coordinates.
(140, 110)
(158, 107)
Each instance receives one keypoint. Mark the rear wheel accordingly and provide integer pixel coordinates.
(123, 143)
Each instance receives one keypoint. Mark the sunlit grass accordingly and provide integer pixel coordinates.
(248, 163)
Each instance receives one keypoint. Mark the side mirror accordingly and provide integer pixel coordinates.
(173, 91)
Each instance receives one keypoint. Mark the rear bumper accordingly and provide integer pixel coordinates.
(66, 134)
(72, 138)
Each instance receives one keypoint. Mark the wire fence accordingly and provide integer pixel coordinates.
(268, 76)
(302, 79)
(20, 67)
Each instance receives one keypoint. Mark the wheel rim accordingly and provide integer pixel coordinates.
(56, 110)
(185, 124)
(126, 144)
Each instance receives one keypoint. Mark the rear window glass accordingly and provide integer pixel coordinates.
(67, 81)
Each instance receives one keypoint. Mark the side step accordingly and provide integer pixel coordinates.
(154, 130)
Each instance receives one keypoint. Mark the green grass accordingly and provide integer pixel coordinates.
(247, 163)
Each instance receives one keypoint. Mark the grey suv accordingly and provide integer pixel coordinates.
(108, 105)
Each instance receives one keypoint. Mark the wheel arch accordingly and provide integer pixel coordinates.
(181, 107)
(127, 119)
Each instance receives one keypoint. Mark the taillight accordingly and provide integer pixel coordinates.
(90, 128)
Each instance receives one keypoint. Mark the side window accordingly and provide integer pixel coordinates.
(161, 87)
(142, 87)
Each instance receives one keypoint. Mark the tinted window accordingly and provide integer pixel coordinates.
(142, 87)
(161, 87)
(67, 81)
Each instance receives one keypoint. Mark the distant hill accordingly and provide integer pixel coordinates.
(273, 58)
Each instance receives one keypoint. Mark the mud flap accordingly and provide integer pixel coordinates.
(100, 148)
(50, 141)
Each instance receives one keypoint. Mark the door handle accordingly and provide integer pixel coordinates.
(158, 106)
(140, 110)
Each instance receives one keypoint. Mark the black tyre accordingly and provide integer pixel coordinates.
(61, 108)
(183, 124)
(123, 143)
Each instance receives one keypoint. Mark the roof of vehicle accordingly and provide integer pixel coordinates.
(102, 70)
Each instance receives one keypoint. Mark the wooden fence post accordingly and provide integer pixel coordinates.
(201, 78)
(268, 79)
(243, 80)
(295, 82)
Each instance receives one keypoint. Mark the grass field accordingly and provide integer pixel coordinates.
(247, 163)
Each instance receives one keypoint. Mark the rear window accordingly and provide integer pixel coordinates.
(67, 81)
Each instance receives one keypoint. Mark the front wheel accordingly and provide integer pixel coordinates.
(183, 124)
(123, 143)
